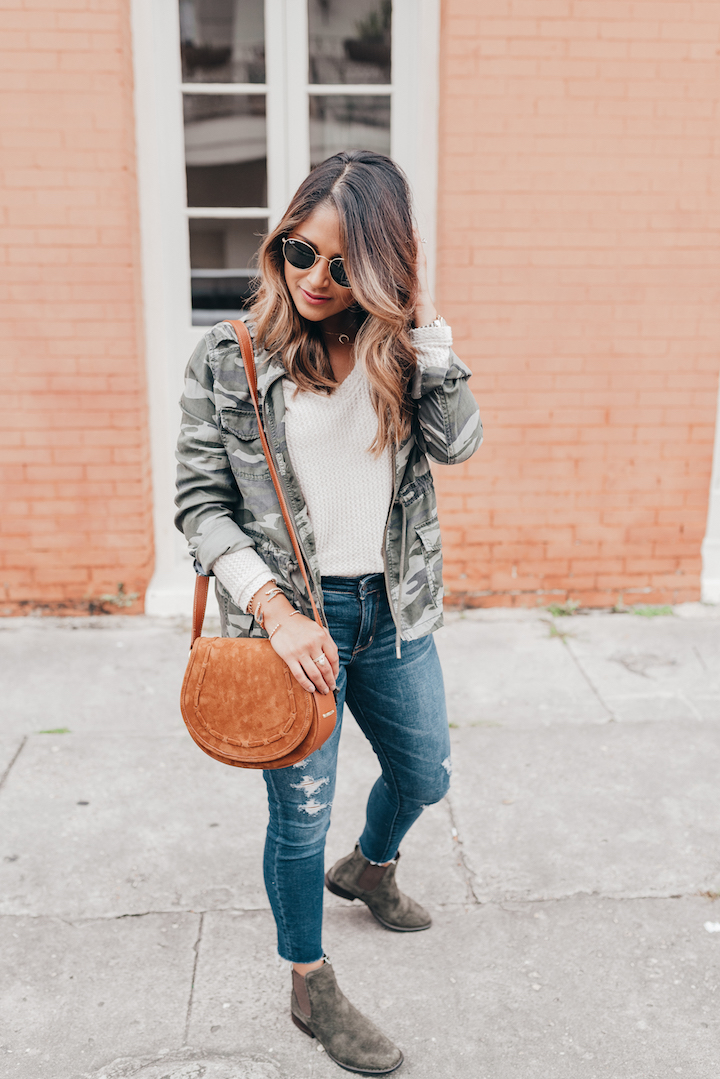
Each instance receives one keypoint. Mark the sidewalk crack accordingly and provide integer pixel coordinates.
(612, 718)
(6, 773)
(196, 949)
(467, 872)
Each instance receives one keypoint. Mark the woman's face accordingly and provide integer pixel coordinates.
(314, 293)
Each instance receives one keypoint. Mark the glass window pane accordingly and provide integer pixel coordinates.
(222, 40)
(223, 266)
(225, 152)
(345, 122)
(349, 41)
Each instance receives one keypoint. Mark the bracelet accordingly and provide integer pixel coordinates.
(272, 592)
(249, 607)
(277, 627)
(436, 324)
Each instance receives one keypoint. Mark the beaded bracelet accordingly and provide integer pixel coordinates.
(277, 627)
(249, 607)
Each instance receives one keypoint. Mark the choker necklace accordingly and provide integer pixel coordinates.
(342, 337)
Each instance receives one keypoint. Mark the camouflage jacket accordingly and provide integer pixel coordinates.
(226, 499)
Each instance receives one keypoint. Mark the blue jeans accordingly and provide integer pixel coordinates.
(399, 705)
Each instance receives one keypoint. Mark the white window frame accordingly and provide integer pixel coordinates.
(169, 334)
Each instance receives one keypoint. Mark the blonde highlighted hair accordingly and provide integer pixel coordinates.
(379, 248)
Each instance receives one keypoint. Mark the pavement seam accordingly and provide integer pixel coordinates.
(196, 949)
(612, 717)
(6, 773)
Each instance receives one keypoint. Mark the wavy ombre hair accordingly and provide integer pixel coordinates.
(372, 200)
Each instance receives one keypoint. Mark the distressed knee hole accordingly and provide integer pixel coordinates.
(310, 786)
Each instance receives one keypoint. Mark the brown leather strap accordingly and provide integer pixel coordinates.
(201, 590)
(199, 602)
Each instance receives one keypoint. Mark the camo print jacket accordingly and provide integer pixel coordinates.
(226, 499)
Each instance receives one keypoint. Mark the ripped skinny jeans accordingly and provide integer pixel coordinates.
(399, 705)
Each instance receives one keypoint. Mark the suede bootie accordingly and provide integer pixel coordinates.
(319, 1008)
(354, 877)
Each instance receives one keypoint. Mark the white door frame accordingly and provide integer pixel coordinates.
(169, 334)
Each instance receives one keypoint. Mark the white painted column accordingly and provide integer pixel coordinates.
(169, 335)
(415, 109)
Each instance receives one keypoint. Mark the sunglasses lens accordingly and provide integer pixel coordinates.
(337, 272)
(299, 254)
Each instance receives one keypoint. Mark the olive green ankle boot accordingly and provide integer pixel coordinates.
(319, 1008)
(354, 877)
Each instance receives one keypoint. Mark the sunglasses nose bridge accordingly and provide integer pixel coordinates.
(319, 271)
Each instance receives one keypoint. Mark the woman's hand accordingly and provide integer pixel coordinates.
(300, 642)
(425, 311)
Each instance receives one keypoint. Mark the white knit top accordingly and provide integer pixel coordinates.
(347, 490)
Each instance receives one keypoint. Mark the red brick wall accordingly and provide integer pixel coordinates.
(75, 519)
(578, 265)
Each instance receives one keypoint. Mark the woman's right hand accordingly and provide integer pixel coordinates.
(300, 641)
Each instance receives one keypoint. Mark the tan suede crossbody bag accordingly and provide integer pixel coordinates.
(239, 700)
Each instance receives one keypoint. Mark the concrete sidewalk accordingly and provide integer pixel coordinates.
(571, 872)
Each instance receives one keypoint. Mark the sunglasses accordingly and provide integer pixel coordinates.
(302, 256)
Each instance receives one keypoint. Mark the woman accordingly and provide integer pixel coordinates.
(354, 400)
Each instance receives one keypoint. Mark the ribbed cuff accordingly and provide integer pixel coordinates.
(241, 573)
(433, 344)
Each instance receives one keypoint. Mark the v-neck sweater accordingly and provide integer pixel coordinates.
(346, 488)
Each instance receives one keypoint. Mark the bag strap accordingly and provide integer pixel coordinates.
(202, 582)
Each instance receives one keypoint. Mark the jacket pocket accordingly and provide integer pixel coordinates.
(241, 437)
(431, 541)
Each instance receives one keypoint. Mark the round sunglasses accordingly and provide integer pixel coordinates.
(302, 256)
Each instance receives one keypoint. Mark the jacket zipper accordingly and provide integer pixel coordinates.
(395, 618)
(290, 508)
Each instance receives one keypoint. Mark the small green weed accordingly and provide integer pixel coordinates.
(454, 726)
(648, 611)
(56, 730)
(562, 610)
(117, 600)
(121, 598)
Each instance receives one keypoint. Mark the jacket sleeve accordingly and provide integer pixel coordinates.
(207, 496)
(448, 417)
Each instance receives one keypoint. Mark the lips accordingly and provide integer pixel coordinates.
(312, 298)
